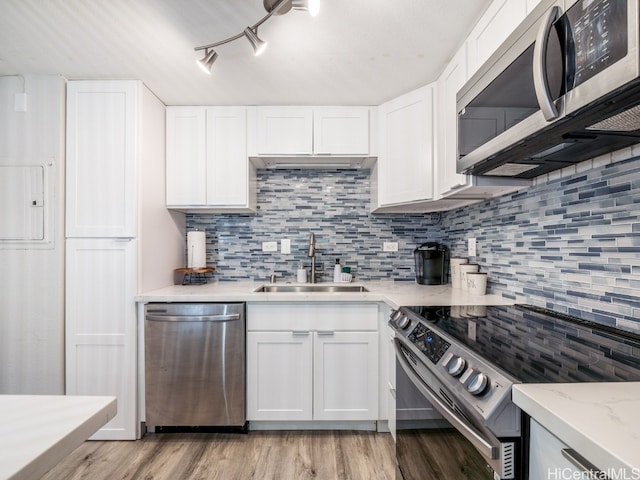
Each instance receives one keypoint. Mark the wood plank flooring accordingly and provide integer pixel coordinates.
(295, 455)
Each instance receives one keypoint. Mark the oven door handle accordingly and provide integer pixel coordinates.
(485, 448)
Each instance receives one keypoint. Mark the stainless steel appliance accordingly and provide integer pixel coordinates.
(563, 88)
(463, 362)
(195, 365)
(431, 263)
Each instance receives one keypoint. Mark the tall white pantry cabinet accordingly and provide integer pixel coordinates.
(117, 227)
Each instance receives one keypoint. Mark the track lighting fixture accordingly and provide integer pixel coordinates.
(258, 45)
(206, 62)
(273, 7)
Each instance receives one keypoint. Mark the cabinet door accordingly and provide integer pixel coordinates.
(345, 383)
(451, 80)
(341, 131)
(285, 131)
(279, 375)
(100, 327)
(405, 160)
(498, 22)
(227, 161)
(186, 156)
(101, 158)
(545, 456)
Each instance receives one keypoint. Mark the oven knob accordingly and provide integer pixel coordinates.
(403, 322)
(478, 384)
(456, 365)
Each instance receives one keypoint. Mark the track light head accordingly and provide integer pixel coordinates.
(258, 45)
(311, 6)
(206, 62)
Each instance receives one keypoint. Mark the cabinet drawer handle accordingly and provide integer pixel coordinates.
(325, 333)
(300, 333)
(582, 463)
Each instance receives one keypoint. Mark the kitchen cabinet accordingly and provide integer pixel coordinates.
(404, 172)
(546, 459)
(101, 154)
(186, 156)
(312, 361)
(279, 375)
(101, 327)
(207, 163)
(321, 131)
(345, 383)
(493, 28)
(452, 186)
(116, 251)
(452, 79)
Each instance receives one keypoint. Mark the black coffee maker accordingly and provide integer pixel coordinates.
(431, 263)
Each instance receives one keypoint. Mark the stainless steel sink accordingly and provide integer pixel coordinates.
(311, 288)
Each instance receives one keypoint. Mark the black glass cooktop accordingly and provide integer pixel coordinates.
(535, 345)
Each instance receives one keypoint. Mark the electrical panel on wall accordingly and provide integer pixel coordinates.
(24, 206)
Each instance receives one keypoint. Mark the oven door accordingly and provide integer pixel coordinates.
(442, 444)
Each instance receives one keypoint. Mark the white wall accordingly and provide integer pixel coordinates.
(31, 275)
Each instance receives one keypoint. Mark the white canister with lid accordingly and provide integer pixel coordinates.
(464, 269)
(454, 264)
(477, 283)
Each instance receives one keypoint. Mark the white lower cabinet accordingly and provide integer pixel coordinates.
(345, 383)
(546, 458)
(279, 375)
(101, 327)
(312, 361)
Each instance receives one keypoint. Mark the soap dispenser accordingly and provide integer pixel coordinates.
(337, 271)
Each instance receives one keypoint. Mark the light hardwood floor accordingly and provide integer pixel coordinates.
(291, 455)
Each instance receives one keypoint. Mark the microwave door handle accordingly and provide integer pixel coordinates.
(540, 84)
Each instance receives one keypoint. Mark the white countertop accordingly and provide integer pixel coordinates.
(600, 421)
(37, 431)
(395, 294)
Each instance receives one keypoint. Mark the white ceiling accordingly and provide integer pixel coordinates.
(355, 52)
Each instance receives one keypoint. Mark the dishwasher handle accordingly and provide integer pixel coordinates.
(193, 318)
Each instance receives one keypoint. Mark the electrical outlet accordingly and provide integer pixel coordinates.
(269, 246)
(471, 246)
(390, 247)
(285, 245)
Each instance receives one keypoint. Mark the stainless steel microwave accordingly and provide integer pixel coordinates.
(563, 88)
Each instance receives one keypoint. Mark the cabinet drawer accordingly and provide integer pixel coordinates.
(316, 316)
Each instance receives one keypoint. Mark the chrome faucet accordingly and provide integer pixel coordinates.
(312, 255)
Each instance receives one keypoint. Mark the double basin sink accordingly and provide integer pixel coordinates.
(311, 288)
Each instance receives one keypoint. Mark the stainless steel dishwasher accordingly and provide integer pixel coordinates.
(195, 365)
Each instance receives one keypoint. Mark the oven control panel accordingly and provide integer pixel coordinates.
(428, 342)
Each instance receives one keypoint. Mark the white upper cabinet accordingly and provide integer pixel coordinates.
(101, 158)
(300, 131)
(285, 131)
(531, 4)
(498, 22)
(186, 156)
(227, 161)
(207, 164)
(451, 80)
(405, 143)
(341, 131)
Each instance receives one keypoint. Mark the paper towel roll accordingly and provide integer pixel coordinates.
(196, 249)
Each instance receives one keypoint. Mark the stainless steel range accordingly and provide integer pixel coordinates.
(456, 366)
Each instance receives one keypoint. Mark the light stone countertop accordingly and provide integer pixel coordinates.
(395, 294)
(600, 421)
(40, 430)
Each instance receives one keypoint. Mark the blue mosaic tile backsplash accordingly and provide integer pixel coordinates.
(334, 205)
(571, 241)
